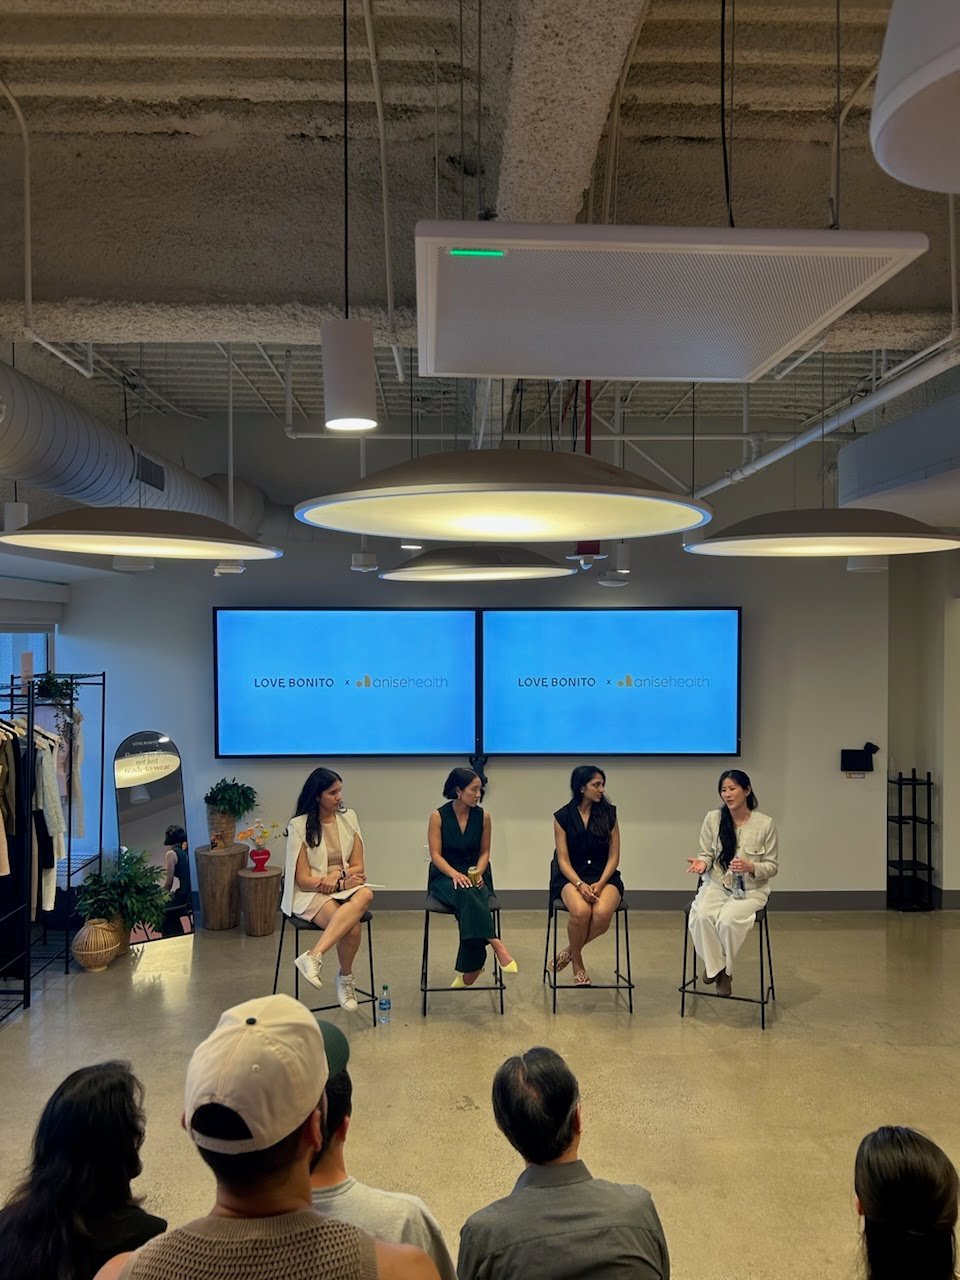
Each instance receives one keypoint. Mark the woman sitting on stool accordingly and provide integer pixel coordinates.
(325, 880)
(738, 859)
(584, 871)
(459, 838)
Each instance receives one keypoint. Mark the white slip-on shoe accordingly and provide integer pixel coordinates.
(309, 965)
(347, 992)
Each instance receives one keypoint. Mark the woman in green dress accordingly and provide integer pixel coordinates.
(459, 838)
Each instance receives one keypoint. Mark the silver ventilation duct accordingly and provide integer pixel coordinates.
(47, 442)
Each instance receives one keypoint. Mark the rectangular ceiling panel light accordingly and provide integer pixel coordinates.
(668, 304)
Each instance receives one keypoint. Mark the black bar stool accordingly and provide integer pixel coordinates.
(434, 907)
(623, 982)
(307, 926)
(688, 986)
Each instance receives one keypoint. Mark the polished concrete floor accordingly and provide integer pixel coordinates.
(746, 1139)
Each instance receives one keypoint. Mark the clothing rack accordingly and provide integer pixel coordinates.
(21, 702)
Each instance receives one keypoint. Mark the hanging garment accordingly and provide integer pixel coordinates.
(47, 801)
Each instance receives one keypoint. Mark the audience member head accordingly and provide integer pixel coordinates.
(907, 1195)
(588, 782)
(536, 1104)
(461, 784)
(734, 789)
(254, 1093)
(86, 1152)
(174, 837)
(336, 1117)
(321, 793)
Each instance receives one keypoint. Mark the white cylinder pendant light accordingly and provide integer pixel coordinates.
(349, 375)
(916, 103)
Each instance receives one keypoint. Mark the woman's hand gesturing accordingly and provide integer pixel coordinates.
(697, 866)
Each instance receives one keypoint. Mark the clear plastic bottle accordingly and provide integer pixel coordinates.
(738, 890)
(384, 1006)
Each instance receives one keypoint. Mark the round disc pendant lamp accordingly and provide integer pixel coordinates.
(916, 102)
(139, 531)
(844, 531)
(505, 495)
(478, 564)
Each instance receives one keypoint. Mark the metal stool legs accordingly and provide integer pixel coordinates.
(363, 997)
(622, 981)
(767, 992)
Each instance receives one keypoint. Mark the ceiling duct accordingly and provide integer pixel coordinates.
(655, 303)
(47, 442)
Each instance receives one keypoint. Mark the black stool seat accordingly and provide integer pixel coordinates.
(688, 986)
(307, 926)
(434, 907)
(622, 982)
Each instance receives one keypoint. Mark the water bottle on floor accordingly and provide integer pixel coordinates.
(738, 890)
(384, 1006)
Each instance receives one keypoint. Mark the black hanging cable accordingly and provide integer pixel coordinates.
(550, 412)
(574, 423)
(479, 107)
(410, 379)
(835, 225)
(520, 413)
(463, 162)
(346, 166)
(723, 111)
(693, 438)
(823, 424)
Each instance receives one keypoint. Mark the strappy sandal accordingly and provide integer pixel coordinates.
(581, 978)
(561, 962)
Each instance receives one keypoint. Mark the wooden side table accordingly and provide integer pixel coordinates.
(218, 885)
(259, 900)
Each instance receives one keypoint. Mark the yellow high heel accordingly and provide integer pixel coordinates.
(512, 967)
(458, 983)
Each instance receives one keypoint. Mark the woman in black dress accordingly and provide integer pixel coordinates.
(459, 837)
(584, 870)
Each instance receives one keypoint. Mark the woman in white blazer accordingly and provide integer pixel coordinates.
(738, 859)
(325, 879)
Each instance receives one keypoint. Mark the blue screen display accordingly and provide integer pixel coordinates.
(319, 682)
(611, 682)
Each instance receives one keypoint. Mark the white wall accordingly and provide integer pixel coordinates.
(814, 680)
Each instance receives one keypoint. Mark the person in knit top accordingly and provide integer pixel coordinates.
(253, 1106)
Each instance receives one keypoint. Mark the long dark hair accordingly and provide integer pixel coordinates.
(86, 1152)
(603, 816)
(728, 831)
(309, 802)
(907, 1190)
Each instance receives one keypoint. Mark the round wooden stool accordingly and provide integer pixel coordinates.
(217, 882)
(259, 900)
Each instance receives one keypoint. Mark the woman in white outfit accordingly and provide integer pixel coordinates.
(738, 846)
(325, 879)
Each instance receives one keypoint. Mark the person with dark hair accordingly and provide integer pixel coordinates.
(584, 870)
(176, 866)
(458, 837)
(325, 880)
(906, 1190)
(737, 861)
(559, 1222)
(74, 1209)
(393, 1216)
(253, 1106)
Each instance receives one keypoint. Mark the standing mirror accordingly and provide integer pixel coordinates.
(151, 816)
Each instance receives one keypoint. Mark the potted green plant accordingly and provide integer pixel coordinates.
(59, 691)
(125, 896)
(97, 942)
(227, 802)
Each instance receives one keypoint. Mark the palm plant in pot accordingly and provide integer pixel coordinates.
(126, 896)
(227, 802)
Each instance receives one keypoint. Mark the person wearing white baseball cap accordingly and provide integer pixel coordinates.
(253, 1105)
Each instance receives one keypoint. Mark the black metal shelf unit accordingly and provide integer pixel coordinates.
(910, 884)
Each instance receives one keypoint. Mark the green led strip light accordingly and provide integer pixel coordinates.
(476, 253)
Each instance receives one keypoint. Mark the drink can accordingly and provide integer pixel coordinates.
(476, 879)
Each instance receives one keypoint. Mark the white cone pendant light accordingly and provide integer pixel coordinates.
(477, 564)
(139, 531)
(916, 102)
(845, 531)
(505, 495)
(349, 375)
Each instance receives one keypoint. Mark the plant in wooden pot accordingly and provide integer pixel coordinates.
(227, 802)
(260, 834)
(96, 943)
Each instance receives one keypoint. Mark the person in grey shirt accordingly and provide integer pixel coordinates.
(559, 1222)
(391, 1216)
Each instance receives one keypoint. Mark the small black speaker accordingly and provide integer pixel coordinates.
(858, 760)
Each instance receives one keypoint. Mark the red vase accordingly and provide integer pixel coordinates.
(259, 858)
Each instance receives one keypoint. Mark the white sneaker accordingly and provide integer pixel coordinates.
(347, 992)
(309, 965)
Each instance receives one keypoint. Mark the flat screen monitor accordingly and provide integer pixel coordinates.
(601, 682)
(345, 682)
